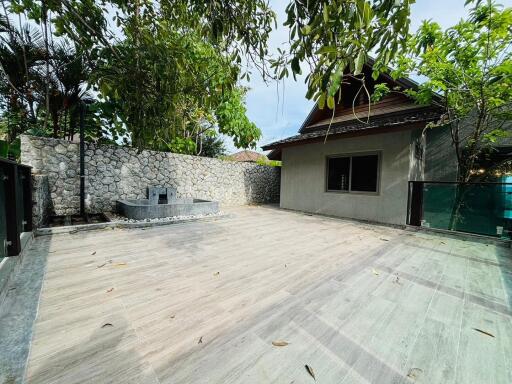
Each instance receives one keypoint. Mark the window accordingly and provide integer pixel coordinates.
(339, 173)
(355, 173)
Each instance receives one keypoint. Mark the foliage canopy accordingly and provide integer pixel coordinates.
(468, 74)
(165, 76)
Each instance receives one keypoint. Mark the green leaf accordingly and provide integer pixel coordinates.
(360, 60)
(325, 12)
(295, 66)
(336, 79)
(327, 49)
(330, 102)
(306, 30)
(321, 101)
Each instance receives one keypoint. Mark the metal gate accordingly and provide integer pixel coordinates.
(15, 205)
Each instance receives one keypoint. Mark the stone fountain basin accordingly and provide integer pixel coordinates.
(141, 209)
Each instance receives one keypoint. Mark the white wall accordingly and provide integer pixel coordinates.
(304, 171)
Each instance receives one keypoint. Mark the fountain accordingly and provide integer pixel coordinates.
(162, 202)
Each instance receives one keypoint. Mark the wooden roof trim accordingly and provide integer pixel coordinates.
(403, 82)
(364, 115)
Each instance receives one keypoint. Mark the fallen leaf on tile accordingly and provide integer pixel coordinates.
(484, 332)
(310, 371)
(107, 325)
(414, 372)
(280, 343)
(120, 265)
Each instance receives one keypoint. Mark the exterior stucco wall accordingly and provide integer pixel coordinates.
(440, 159)
(303, 179)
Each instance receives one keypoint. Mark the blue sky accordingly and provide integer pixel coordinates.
(284, 119)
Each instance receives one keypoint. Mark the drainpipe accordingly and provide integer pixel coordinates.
(83, 108)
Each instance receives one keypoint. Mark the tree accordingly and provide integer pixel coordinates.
(68, 88)
(470, 67)
(212, 146)
(40, 83)
(326, 35)
(468, 70)
(162, 78)
(333, 39)
(21, 53)
(171, 89)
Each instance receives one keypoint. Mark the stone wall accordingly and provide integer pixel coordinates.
(114, 173)
(42, 198)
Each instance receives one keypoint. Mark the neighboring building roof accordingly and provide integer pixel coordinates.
(394, 112)
(247, 156)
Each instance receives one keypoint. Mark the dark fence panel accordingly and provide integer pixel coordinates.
(3, 223)
(15, 205)
(480, 208)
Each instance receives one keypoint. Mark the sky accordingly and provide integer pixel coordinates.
(277, 121)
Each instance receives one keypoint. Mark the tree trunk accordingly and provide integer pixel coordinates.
(460, 191)
(55, 121)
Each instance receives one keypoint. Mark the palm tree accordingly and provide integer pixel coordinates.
(21, 53)
(68, 88)
(29, 92)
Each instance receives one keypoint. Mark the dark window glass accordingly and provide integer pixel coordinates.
(364, 173)
(338, 173)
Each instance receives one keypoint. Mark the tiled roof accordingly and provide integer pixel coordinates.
(249, 156)
(412, 116)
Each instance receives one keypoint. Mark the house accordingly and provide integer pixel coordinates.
(247, 156)
(357, 161)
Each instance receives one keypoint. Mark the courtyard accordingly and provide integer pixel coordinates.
(257, 295)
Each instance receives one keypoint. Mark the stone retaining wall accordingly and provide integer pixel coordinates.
(41, 195)
(115, 172)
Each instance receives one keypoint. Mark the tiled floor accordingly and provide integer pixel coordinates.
(202, 303)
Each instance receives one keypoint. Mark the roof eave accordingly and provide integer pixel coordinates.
(374, 131)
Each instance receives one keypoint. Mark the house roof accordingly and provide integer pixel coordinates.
(247, 156)
(395, 113)
(373, 126)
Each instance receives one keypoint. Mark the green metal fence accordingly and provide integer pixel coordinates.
(15, 205)
(480, 208)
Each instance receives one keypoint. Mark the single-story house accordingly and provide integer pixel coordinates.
(357, 161)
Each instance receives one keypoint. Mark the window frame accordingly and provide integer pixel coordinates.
(350, 156)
